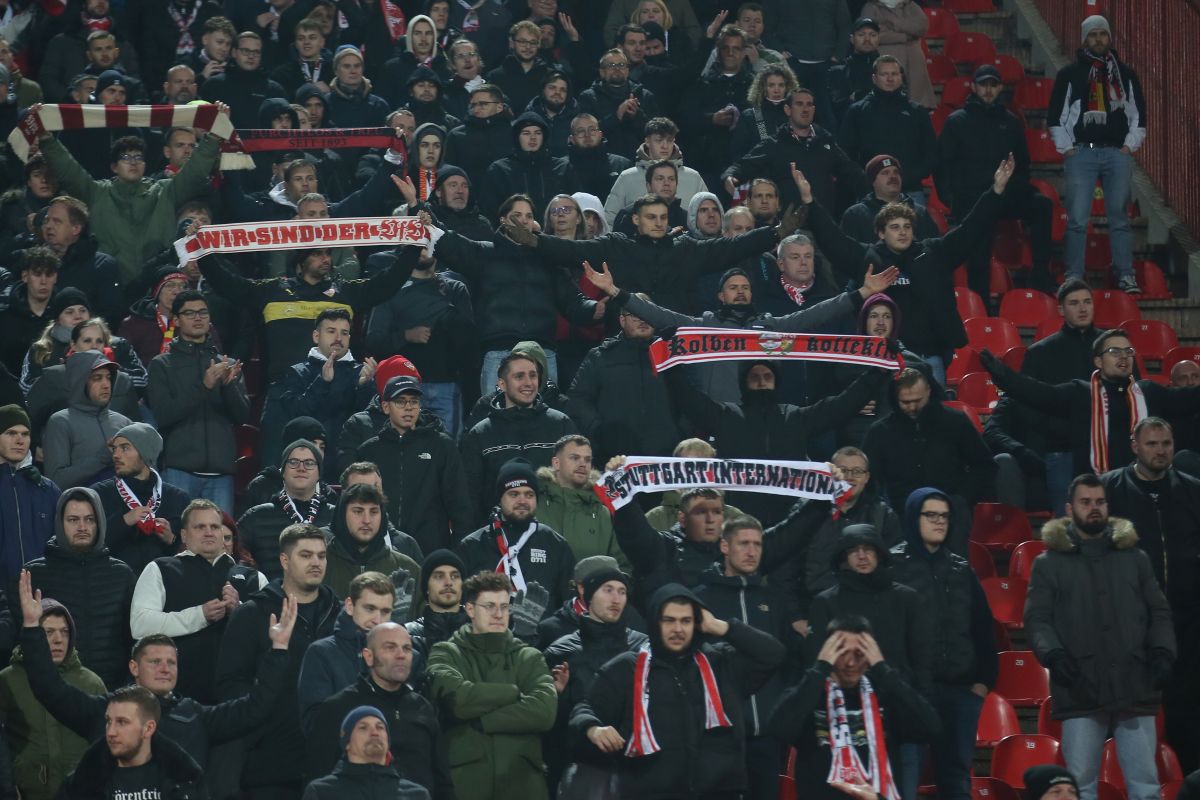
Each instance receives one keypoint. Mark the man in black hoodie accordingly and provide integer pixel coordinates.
(964, 654)
(529, 169)
(484, 136)
(681, 700)
(243, 85)
(358, 543)
(423, 97)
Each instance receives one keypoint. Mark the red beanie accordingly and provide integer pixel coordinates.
(877, 164)
(390, 368)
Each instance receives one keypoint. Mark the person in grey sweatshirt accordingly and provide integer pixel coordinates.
(75, 442)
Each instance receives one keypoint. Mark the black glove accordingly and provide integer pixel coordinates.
(990, 362)
(1064, 669)
(519, 235)
(1030, 461)
(790, 221)
(1161, 665)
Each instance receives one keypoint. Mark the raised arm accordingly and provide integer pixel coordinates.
(1050, 398)
(958, 242)
(653, 315)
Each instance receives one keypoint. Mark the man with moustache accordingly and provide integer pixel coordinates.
(366, 770)
(885, 177)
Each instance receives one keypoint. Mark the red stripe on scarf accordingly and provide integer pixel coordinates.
(116, 116)
(72, 116)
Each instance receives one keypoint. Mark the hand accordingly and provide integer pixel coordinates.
(192, 227)
(44, 136)
(838, 644)
(752, 54)
(266, 18)
(800, 626)
(601, 308)
(723, 118)
(213, 68)
(222, 109)
(527, 609)
(860, 789)
(616, 462)
(406, 589)
(280, 630)
(789, 221)
(1125, 149)
(1064, 669)
(230, 598)
(561, 675)
(806, 195)
(601, 280)
(868, 410)
(31, 601)
(134, 515)
(606, 738)
(215, 610)
(327, 369)
(870, 648)
(731, 185)
(519, 235)
(989, 361)
(215, 373)
(835, 471)
(234, 372)
(628, 108)
(711, 625)
(418, 335)
(1003, 173)
(367, 372)
(874, 284)
(162, 529)
(715, 26)
(408, 190)
(979, 689)
(426, 218)
(568, 26)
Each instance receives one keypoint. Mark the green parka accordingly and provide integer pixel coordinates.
(578, 516)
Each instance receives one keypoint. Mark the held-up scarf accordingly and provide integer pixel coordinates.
(146, 524)
(1099, 437)
(186, 45)
(394, 18)
(639, 474)
(304, 234)
(845, 763)
(288, 506)
(510, 563)
(256, 140)
(641, 738)
(1106, 91)
(691, 345)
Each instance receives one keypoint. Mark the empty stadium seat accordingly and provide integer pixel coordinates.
(965, 361)
(942, 23)
(981, 560)
(1151, 280)
(1014, 357)
(997, 719)
(958, 405)
(1000, 527)
(991, 333)
(1023, 555)
(977, 391)
(1097, 253)
(1047, 725)
(1011, 70)
(787, 781)
(969, 303)
(1152, 339)
(1041, 147)
(246, 439)
(1017, 753)
(1114, 307)
(940, 68)
(956, 92)
(1027, 308)
(1021, 679)
(1165, 760)
(992, 789)
(969, 6)
(1033, 94)
(1006, 597)
(971, 48)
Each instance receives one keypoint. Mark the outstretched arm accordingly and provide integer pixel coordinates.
(958, 243)
(653, 315)
(846, 253)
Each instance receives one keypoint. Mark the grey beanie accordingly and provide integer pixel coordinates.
(147, 441)
(1093, 23)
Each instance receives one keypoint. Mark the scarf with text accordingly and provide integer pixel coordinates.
(302, 234)
(147, 523)
(255, 140)
(695, 345)
(1106, 91)
(846, 765)
(639, 474)
(510, 563)
(1099, 439)
(288, 506)
(641, 739)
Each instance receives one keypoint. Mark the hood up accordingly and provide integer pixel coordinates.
(88, 496)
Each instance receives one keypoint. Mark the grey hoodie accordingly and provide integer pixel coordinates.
(693, 209)
(631, 184)
(60, 539)
(76, 439)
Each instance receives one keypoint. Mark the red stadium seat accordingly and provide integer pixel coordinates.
(1027, 308)
(1021, 679)
(942, 23)
(1011, 70)
(940, 68)
(1048, 327)
(1006, 597)
(1107, 791)
(980, 560)
(956, 92)
(997, 719)
(969, 303)
(1169, 769)
(1098, 251)
(991, 333)
(939, 116)
(1000, 527)
(246, 437)
(966, 360)
(1033, 94)
(971, 48)
(1046, 188)
(1047, 725)
(970, 6)
(1114, 307)
(1152, 339)
(1041, 147)
(1014, 357)
(1021, 565)
(1152, 281)
(992, 789)
(977, 391)
(1017, 753)
(787, 781)
(958, 405)
(1058, 225)
(1178, 354)
(1170, 791)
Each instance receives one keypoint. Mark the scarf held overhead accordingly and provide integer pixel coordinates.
(641, 739)
(302, 234)
(263, 140)
(693, 345)
(640, 474)
(1099, 438)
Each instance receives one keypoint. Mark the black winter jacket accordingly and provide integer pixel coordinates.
(624, 136)
(1069, 101)
(127, 542)
(974, 140)
(567, 619)
(243, 91)
(546, 558)
(707, 144)
(364, 782)
(180, 777)
(260, 527)
(858, 221)
(818, 156)
(426, 631)
(361, 426)
(538, 174)
(86, 268)
(477, 143)
(888, 122)
(596, 169)
(520, 86)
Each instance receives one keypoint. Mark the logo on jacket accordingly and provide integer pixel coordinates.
(537, 556)
(425, 456)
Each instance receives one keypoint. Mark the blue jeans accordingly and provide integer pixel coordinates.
(1114, 170)
(1083, 742)
(1060, 469)
(491, 366)
(937, 365)
(218, 488)
(906, 768)
(444, 400)
(954, 748)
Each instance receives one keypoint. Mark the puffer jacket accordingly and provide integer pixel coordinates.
(180, 777)
(477, 143)
(260, 527)
(196, 422)
(76, 439)
(625, 135)
(361, 426)
(364, 782)
(27, 503)
(578, 516)
(356, 109)
(537, 174)
(974, 140)
(330, 664)
(426, 631)
(889, 122)
(545, 559)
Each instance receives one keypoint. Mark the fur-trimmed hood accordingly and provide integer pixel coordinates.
(1059, 535)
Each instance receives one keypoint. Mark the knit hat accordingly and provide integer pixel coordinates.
(355, 716)
(440, 558)
(113, 77)
(1093, 23)
(448, 171)
(423, 73)
(1039, 780)
(173, 275)
(147, 441)
(879, 163)
(342, 52)
(600, 577)
(304, 428)
(591, 565)
(654, 31)
(68, 297)
(729, 273)
(513, 475)
(12, 414)
(287, 452)
(391, 367)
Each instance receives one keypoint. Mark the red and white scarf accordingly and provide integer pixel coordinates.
(845, 764)
(1099, 438)
(1106, 91)
(793, 291)
(303, 234)
(510, 562)
(641, 739)
(692, 345)
(288, 506)
(147, 523)
(185, 45)
(394, 18)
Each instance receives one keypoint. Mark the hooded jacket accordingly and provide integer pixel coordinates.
(179, 776)
(578, 516)
(950, 594)
(477, 143)
(596, 169)
(423, 479)
(19, 326)
(1097, 601)
(552, 395)
(96, 588)
(27, 503)
(817, 155)
(631, 184)
(558, 131)
(545, 559)
(348, 559)
(693, 760)
(76, 439)
(904, 633)
(496, 697)
(538, 174)
(44, 751)
(889, 122)
(49, 392)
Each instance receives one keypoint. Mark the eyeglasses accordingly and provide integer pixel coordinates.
(936, 516)
(132, 158)
(1119, 351)
(621, 65)
(585, 131)
(561, 211)
(406, 402)
(495, 608)
(855, 472)
(194, 313)
(296, 463)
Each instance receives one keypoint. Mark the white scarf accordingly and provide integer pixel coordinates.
(510, 562)
(146, 523)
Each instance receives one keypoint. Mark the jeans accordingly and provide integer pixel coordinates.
(491, 366)
(1083, 742)
(1114, 170)
(954, 748)
(444, 400)
(1060, 471)
(906, 768)
(218, 488)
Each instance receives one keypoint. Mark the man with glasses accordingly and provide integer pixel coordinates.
(198, 396)
(244, 84)
(1099, 413)
(484, 136)
(499, 697)
(622, 106)
(587, 149)
(522, 72)
(464, 59)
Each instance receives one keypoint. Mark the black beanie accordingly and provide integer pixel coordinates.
(304, 428)
(1038, 780)
(514, 474)
(600, 577)
(729, 273)
(448, 171)
(440, 558)
(70, 296)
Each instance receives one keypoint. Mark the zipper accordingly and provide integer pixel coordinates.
(20, 525)
(746, 619)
